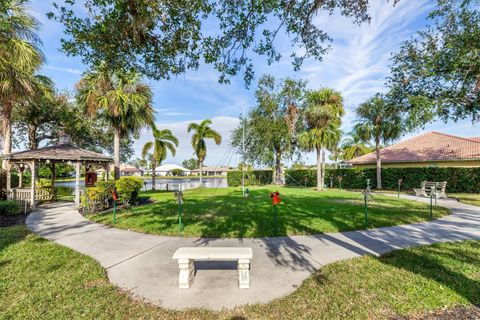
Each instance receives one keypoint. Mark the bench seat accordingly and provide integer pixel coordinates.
(187, 255)
(436, 189)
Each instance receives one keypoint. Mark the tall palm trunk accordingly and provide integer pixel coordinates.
(379, 163)
(116, 154)
(7, 129)
(319, 169)
(323, 168)
(154, 174)
(201, 171)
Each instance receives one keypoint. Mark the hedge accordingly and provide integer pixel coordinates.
(252, 178)
(458, 179)
(10, 208)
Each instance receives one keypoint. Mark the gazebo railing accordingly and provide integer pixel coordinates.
(23, 194)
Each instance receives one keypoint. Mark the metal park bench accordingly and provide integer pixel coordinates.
(427, 187)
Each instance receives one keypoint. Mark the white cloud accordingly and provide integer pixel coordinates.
(67, 70)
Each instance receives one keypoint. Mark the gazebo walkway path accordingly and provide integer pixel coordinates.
(142, 263)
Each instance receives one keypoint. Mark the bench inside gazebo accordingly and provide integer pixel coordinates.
(64, 152)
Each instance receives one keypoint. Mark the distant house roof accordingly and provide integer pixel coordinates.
(60, 152)
(170, 167)
(430, 146)
(129, 168)
(216, 169)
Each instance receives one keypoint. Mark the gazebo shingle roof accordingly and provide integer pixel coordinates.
(430, 146)
(61, 152)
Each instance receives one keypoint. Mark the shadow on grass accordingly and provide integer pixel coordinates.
(12, 235)
(443, 264)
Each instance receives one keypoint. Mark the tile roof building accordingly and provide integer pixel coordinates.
(431, 149)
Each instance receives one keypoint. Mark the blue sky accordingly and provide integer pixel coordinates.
(357, 65)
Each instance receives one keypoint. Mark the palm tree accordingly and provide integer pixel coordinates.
(163, 141)
(119, 97)
(353, 146)
(378, 120)
(202, 131)
(20, 58)
(323, 112)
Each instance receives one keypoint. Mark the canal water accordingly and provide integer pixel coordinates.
(67, 187)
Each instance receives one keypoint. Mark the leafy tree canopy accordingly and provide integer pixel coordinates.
(436, 74)
(272, 125)
(165, 38)
(190, 164)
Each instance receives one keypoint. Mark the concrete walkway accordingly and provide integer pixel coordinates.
(142, 263)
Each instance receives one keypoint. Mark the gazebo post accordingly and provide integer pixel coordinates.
(77, 184)
(52, 187)
(9, 178)
(32, 191)
(107, 171)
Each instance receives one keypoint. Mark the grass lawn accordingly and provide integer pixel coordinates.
(469, 198)
(42, 280)
(224, 213)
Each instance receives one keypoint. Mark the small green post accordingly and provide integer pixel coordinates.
(366, 209)
(431, 206)
(180, 223)
(275, 218)
(179, 199)
(114, 212)
(436, 188)
(399, 185)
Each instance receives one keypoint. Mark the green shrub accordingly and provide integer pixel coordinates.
(10, 208)
(128, 188)
(459, 180)
(177, 172)
(3, 183)
(252, 178)
(107, 187)
(100, 196)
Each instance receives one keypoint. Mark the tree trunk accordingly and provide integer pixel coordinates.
(154, 175)
(379, 164)
(201, 169)
(116, 154)
(7, 130)
(319, 169)
(323, 169)
(278, 168)
(32, 137)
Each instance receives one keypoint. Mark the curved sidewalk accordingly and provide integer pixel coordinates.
(142, 264)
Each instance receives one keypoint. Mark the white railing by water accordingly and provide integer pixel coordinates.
(181, 185)
(23, 195)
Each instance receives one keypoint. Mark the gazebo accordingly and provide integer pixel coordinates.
(63, 152)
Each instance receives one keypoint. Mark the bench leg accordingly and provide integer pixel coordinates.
(244, 273)
(187, 272)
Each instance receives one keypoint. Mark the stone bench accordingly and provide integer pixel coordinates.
(187, 255)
